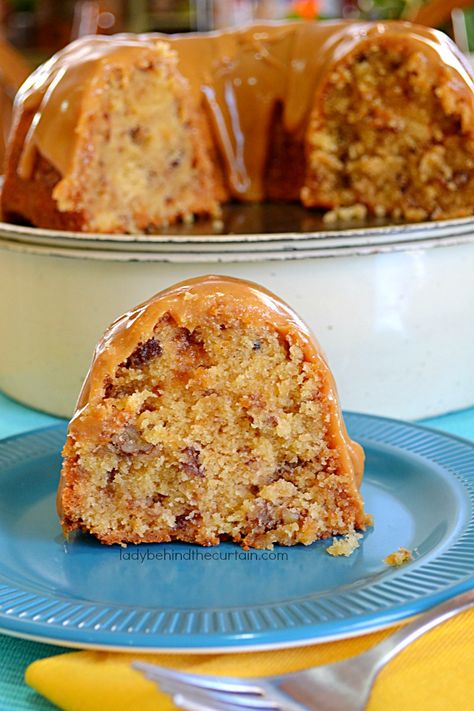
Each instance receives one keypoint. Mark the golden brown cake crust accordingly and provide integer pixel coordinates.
(130, 342)
(24, 198)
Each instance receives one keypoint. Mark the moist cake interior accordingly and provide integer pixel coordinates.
(213, 433)
(392, 135)
(141, 166)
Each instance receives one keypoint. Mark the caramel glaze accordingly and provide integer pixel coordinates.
(189, 304)
(240, 77)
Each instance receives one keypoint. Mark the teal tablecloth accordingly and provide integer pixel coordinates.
(16, 654)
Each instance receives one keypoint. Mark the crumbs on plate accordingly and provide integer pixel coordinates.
(400, 557)
(345, 214)
(345, 545)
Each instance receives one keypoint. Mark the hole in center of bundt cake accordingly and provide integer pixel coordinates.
(211, 433)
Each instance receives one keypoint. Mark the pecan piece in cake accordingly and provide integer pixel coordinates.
(191, 463)
(144, 353)
(128, 441)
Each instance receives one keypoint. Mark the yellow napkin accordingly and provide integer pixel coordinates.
(435, 673)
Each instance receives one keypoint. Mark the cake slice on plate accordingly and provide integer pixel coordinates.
(209, 413)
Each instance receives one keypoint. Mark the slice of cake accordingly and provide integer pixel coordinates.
(210, 413)
(128, 147)
(392, 129)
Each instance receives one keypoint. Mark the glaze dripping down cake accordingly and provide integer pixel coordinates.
(209, 413)
(132, 133)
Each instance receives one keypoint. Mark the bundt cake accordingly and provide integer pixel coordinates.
(131, 133)
(209, 413)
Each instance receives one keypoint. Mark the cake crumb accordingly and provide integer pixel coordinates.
(218, 225)
(345, 545)
(400, 557)
(345, 214)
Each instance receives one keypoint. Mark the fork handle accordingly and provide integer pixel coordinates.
(393, 645)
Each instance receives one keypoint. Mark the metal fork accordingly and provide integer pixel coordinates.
(343, 686)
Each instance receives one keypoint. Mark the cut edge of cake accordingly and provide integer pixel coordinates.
(209, 413)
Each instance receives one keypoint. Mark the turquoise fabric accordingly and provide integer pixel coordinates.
(457, 423)
(17, 654)
(15, 418)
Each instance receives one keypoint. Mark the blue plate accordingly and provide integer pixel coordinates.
(419, 485)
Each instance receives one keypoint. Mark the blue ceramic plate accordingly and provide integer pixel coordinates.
(419, 485)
